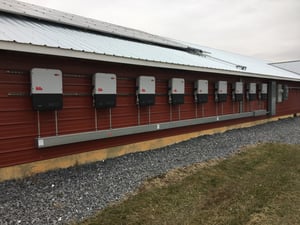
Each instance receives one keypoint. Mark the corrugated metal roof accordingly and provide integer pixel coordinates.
(52, 15)
(32, 32)
(253, 65)
(24, 30)
(293, 66)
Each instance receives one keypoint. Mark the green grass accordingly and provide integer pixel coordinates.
(260, 185)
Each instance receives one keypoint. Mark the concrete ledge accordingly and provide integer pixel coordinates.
(29, 169)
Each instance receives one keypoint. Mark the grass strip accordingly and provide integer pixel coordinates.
(260, 185)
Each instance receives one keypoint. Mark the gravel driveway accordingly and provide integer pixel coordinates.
(61, 196)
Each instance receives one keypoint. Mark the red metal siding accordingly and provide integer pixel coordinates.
(292, 104)
(19, 123)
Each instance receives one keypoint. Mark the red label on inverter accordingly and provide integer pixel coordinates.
(100, 89)
(143, 90)
(38, 88)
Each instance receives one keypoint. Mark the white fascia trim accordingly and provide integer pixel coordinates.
(28, 48)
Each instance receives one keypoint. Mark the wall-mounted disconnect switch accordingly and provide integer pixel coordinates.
(279, 93)
(237, 91)
(201, 91)
(145, 90)
(176, 91)
(104, 90)
(263, 91)
(285, 94)
(251, 91)
(46, 89)
(221, 91)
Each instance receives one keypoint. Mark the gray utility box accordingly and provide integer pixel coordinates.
(104, 90)
(272, 97)
(201, 91)
(251, 91)
(176, 90)
(263, 91)
(145, 90)
(46, 89)
(221, 91)
(285, 94)
(279, 93)
(238, 91)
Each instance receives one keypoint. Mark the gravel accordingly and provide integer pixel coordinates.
(66, 195)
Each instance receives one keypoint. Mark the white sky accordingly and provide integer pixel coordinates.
(265, 29)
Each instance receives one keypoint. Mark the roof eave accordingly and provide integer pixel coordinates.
(36, 49)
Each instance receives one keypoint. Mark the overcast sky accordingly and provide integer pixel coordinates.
(266, 29)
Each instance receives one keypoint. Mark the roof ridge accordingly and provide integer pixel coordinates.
(289, 61)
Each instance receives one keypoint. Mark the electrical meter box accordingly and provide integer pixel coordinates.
(285, 94)
(221, 91)
(251, 91)
(201, 91)
(263, 91)
(238, 91)
(145, 90)
(104, 90)
(176, 90)
(46, 89)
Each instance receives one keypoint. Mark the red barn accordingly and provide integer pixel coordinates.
(75, 90)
